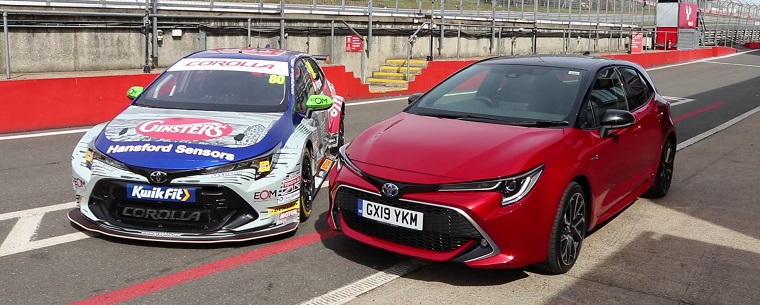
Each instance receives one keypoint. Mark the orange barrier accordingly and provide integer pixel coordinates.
(67, 102)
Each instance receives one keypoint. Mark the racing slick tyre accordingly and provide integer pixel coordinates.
(568, 231)
(307, 185)
(664, 172)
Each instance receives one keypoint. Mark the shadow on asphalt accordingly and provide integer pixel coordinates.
(658, 268)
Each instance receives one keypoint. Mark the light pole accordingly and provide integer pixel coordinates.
(430, 28)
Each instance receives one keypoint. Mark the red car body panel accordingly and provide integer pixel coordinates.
(452, 148)
(423, 150)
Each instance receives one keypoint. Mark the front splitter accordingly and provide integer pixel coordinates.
(76, 217)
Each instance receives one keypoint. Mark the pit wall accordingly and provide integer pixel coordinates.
(37, 104)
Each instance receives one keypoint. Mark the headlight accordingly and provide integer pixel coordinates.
(93, 154)
(343, 160)
(262, 166)
(512, 188)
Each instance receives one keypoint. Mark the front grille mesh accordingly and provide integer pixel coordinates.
(443, 229)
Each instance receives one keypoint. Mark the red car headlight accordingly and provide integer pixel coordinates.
(512, 188)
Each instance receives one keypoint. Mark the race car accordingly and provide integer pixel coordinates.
(224, 145)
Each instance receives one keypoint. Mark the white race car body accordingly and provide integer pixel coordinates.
(200, 175)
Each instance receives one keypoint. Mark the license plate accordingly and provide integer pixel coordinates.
(390, 215)
(160, 193)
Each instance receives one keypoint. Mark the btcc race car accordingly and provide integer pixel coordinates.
(225, 145)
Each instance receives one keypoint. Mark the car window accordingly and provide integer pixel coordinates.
(316, 73)
(606, 93)
(220, 84)
(514, 93)
(637, 88)
(304, 86)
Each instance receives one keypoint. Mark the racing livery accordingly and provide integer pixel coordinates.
(225, 145)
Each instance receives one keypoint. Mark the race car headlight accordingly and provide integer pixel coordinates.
(512, 188)
(93, 154)
(262, 165)
(343, 160)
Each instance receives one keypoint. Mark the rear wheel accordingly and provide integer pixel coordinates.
(664, 172)
(568, 231)
(307, 185)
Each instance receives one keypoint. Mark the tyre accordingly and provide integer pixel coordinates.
(307, 185)
(568, 231)
(664, 172)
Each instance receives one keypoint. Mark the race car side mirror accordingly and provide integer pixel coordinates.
(134, 92)
(318, 102)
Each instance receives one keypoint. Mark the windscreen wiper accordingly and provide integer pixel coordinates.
(542, 123)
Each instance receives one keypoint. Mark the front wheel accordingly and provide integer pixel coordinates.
(664, 172)
(307, 185)
(568, 231)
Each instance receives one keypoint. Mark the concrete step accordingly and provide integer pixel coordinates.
(387, 82)
(392, 75)
(383, 89)
(402, 62)
(412, 70)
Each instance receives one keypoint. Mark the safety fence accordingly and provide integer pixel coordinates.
(597, 25)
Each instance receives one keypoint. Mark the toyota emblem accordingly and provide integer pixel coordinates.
(158, 177)
(390, 190)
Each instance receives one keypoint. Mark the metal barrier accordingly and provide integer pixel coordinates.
(723, 21)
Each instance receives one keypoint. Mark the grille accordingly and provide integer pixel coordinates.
(213, 208)
(443, 229)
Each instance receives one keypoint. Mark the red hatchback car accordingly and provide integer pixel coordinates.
(507, 163)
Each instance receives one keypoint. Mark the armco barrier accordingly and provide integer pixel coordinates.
(27, 105)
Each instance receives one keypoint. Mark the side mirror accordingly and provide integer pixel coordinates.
(615, 119)
(414, 97)
(134, 92)
(318, 102)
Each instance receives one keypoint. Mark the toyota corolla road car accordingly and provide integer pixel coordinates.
(225, 145)
(507, 163)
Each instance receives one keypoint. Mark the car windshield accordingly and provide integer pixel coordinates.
(524, 95)
(220, 84)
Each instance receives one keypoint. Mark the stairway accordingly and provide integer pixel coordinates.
(392, 75)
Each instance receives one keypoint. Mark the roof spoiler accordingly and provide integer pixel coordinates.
(321, 57)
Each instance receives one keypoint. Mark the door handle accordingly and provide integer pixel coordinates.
(660, 115)
(637, 130)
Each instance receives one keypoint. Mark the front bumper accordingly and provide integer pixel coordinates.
(102, 227)
(468, 227)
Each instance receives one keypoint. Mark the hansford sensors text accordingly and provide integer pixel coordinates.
(168, 148)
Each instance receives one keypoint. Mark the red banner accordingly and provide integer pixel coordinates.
(354, 43)
(637, 43)
(687, 15)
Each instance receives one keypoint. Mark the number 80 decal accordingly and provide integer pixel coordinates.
(277, 79)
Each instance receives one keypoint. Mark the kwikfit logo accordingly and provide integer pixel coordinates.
(135, 191)
(180, 129)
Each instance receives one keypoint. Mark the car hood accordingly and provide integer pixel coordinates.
(408, 147)
(177, 139)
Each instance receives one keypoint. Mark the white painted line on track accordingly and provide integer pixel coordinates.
(732, 64)
(43, 134)
(675, 101)
(351, 291)
(701, 60)
(715, 130)
(20, 237)
(377, 101)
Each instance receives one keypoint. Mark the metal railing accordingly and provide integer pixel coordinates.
(722, 21)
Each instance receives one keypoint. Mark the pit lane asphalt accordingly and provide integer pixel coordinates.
(35, 172)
